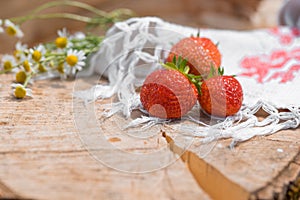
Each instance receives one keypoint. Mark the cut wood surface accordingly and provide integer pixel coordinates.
(56, 147)
(261, 168)
(43, 157)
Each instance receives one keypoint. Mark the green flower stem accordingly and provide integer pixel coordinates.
(114, 15)
(4, 71)
(89, 51)
(9, 70)
(33, 14)
(56, 15)
(55, 54)
(69, 3)
(47, 59)
(27, 79)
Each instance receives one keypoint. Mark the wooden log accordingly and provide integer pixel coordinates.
(261, 168)
(42, 155)
(49, 151)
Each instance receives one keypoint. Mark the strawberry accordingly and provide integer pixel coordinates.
(201, 53)
(221, 96)
(169, 93)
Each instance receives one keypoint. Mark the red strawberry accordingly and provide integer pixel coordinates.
(201, 53)
(221, 96)
(168, 93)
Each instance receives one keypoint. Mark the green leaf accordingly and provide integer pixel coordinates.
(212, 72)
(174, 59)
(184, 63)
(198, 33)
(221, 71)
(180, 64)
(169, 65)
(186, 69)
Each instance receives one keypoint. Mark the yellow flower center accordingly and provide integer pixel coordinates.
(60, 68)
(72, 60)
(11, 31)
(36, 55)
(42, 68)
(61, 42)
(20, 92)
(7, 65)
(17, 54)
(21, 77)
(26, 66)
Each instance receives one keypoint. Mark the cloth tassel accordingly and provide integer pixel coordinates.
(134, 48)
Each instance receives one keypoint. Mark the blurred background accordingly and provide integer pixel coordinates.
(219, 14)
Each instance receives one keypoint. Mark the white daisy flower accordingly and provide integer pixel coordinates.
(21, 76)
(20, 92)
(8, 63)
(62, 40)
(63, 32)
(27, 65)
(1, 29)
(78, 36)
(75, 60)
(20, 51)
(12, 29)
(61, 68)
(37, 53)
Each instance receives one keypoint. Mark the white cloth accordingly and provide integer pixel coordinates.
(266, 62)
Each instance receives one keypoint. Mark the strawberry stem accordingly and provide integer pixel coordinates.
(186, 69)
(180, 65)
(221, 71)
(213, 72)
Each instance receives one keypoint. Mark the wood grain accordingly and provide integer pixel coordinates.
(50, 149)
(261, 168)
(43, 157)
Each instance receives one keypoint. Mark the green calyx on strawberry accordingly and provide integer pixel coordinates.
(192, 71)
(221, 95)
(200, 52)
(169, 93)
(181, 65)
